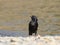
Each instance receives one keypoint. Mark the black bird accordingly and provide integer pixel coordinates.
(33, 25)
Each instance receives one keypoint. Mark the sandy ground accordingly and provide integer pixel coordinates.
(31, 40)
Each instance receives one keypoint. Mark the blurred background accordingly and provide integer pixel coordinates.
(15, 16)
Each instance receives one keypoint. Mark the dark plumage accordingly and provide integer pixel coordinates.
(33, 25)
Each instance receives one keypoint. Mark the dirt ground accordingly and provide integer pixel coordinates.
(15, 15)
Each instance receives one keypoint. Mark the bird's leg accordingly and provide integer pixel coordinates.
(30, 33)
(35, 33)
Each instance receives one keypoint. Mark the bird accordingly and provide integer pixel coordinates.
(33, 25)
